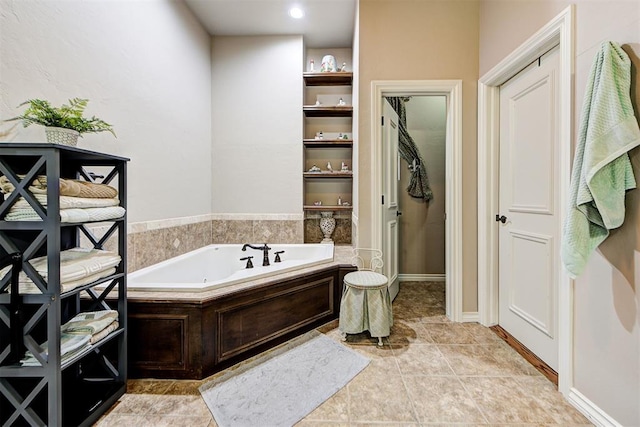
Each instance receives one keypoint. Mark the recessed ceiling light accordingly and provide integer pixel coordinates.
(296, 12)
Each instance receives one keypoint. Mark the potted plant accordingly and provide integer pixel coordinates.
(62, 124)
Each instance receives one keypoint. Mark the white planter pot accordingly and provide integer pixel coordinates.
(62, 136)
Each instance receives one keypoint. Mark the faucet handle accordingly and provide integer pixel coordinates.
(248, 259)
(278, 256)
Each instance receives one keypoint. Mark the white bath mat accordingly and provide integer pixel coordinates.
(283, 386)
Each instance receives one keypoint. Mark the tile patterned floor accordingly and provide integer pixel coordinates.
(430, 372)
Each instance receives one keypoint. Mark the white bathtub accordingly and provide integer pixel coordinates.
(215, 266)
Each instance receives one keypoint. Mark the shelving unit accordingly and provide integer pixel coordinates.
(324, 112)
(79, 390)
(330, 149)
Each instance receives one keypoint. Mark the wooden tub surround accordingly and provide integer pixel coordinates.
(191, 336)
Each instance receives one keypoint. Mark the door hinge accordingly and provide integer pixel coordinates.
(382, 121)
(383, 199)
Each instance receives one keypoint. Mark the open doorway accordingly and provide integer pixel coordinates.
(421, 254)
(450, 91)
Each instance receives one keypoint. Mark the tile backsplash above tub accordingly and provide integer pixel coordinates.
(155, 241)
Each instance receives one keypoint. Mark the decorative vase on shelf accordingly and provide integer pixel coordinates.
(327, 226)
(62, 136)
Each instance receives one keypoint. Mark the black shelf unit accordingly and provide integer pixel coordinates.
(79, 390)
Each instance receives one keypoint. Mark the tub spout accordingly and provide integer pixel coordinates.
(265, 252)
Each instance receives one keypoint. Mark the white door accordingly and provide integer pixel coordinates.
(528, 218)
(390, 178)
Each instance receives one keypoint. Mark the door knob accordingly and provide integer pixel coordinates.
(502, 218)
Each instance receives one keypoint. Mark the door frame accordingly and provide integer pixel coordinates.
(559, 31)
(452, 89)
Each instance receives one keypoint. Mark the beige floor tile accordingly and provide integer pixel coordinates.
(474, 359)
(545, 392)
(192, 406)
(184, 387)
(422, 359)
(376, 395)
(442, 399)
(406, 333)
(313, 423)
(450, 333)
(334, 409)
(511, 362)
(177, 421)
(501, 400)
(482, 334)
(382, 424)
(135, 404)
(148, 386)
(123, 420)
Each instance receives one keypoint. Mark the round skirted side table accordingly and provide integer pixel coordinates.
(366, 305)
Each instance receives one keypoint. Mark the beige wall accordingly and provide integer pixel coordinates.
(422, 230)
(256, 115)
(607, 303)
(422, 40)
(146, 69)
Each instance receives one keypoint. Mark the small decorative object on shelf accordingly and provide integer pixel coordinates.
(314, 168)
(346, 204)
(319, 135)
(311, 66)
(328, 64)
(318, 103)
(317, 203)
(327, 226)
(339, 201)
(345, 136)
(341, 103)
(329, 168)
(344, 167)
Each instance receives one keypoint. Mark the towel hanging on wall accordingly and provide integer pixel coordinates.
(419, 184)
(602, 171)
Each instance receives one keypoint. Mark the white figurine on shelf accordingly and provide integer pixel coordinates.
(344, 67)
(341, 103)
(318, 203)
(345, 203)
(314, 168)
(329, 168)
(319, 135)
(318, 103)
(311, 66)
(339, 201)
(344, 167)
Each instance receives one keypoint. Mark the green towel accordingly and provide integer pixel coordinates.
(602, 170)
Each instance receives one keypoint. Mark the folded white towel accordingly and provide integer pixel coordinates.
(69, 346)
(76, 264)
(69, 215)
(89, 322)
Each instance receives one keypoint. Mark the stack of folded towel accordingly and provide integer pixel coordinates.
(80, 201)
(78, 267)
(78, 334)
(95, 324)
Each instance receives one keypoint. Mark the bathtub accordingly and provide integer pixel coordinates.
(216, 266)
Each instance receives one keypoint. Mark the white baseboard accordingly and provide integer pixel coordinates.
(596, 415)
(471, 316)
(422, 277)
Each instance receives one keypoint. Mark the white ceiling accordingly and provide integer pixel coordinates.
(327, 23)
